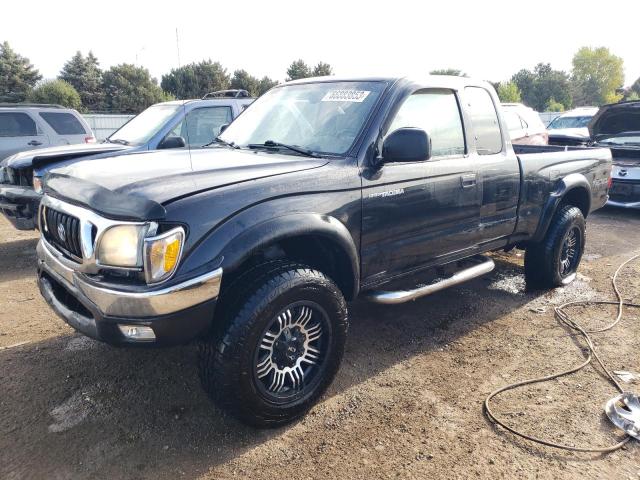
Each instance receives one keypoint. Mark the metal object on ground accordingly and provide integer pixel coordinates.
(402, 296)
(624, 412)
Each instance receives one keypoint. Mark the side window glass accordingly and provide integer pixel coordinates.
(436, 112)
(63, 123)
(17, 124)
(203, 124)
(484, 119)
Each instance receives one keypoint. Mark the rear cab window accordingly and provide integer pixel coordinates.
(17, 124)
(63, 123)
(484, 120)
(436, 111)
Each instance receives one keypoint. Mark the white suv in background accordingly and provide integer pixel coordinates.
(25, 126)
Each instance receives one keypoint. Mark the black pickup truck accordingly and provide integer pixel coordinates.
(322, 191)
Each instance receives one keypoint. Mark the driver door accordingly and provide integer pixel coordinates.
(416, 213)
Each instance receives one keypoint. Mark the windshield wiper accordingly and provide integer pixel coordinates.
(221, 141)
(118, 140)
(271, 144)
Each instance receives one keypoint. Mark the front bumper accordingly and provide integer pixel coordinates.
(19, 205)
(177, 314)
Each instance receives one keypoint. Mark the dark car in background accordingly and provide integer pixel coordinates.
(617, 127)
(168, 125)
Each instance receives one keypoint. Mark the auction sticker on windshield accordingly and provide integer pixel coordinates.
(346, 96)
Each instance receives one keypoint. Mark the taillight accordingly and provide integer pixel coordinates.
(610, 182)
(89, 139)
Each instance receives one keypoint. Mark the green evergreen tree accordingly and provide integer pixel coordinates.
(17, 75)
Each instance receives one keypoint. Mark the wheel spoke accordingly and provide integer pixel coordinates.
(265, 367)
(278, 381)
(297, 376)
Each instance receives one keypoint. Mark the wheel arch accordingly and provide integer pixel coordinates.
(574, 189)
(319, 241)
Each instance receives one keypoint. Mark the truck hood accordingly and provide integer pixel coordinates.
(108, 185)
(615, 119)
(43, 156)
(569, 132)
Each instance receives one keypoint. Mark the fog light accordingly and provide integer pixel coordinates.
(138, 333)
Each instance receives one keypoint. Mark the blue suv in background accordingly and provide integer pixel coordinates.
(177, 124)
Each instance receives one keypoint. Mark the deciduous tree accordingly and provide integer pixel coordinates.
(543, 84)
(597, 76)
(56, 92)
(509, 92)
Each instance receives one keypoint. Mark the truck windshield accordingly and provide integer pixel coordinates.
(323, 117)
(569, 122)
(145, 125)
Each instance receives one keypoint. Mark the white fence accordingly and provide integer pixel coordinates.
(104, 125)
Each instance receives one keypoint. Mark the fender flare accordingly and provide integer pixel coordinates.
(263, 234)
(572, 182)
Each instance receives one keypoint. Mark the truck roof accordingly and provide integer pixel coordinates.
(438, 81)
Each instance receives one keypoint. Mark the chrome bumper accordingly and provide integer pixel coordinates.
(613, 203)
(119, 303)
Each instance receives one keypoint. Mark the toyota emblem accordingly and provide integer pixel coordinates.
(61, 231)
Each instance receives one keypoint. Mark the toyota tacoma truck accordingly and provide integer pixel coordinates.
(177, 124)
(323, 191)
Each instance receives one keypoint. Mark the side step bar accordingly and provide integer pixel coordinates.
(402, 296)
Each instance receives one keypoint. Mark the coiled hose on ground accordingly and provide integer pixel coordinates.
(562, 315)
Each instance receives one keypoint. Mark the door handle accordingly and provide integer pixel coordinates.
(468, 181)
(34, 143)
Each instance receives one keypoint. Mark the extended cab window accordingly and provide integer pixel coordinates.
(63, 123)
(16, 124)
(484, 119)
(437, 113)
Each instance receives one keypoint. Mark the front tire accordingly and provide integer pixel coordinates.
(280, 347)
(553, 262)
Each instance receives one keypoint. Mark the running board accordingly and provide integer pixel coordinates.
(402, 296)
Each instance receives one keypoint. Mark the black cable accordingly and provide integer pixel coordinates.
(564, 317)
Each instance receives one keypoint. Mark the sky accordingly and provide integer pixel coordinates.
(488, 39)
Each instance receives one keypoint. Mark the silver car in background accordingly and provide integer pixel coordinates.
(25, 126)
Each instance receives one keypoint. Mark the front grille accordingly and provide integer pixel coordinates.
(62, 231)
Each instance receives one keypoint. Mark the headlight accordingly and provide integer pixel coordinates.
(162, 254)
(37, 184)
(121, 246)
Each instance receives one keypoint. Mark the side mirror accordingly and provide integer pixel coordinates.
(406, 145)
(223, 128)
(172, 142)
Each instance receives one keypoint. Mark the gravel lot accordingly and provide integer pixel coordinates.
(407, 402)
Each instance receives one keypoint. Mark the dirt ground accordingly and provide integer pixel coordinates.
(407, 402)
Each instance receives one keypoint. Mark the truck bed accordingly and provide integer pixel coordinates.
(545, 169)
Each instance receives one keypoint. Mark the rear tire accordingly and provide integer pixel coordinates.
(279, 346)
(553, 262)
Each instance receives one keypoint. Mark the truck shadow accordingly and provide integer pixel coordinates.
(76, 408)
